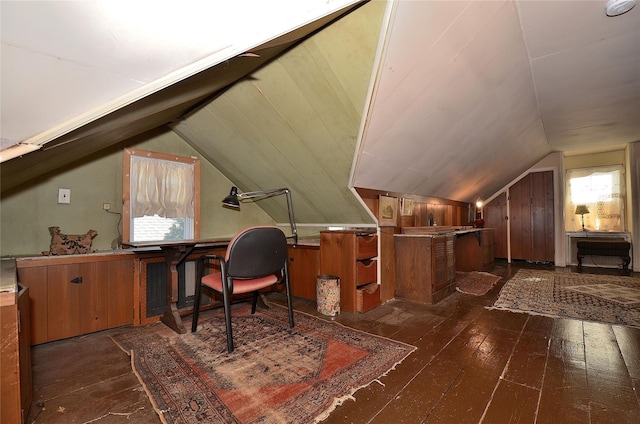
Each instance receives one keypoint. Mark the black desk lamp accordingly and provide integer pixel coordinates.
(582, 210)
(234, 198)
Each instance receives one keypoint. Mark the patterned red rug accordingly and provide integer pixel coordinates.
(274, 375)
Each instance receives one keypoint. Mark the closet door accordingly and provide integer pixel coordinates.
(495, 216)
(531, 217)
(520, 222)
(542, 224)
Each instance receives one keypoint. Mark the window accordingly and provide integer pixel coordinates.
(161, 196)
(601, 190)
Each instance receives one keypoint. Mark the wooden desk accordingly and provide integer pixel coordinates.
(174, 251)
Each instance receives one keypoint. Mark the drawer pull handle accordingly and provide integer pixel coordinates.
(77, 280)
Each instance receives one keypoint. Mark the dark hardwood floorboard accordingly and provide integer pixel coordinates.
(472, 365)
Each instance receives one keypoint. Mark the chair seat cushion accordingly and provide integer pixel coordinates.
(214, 281)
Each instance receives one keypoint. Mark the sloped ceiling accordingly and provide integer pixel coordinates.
(458, 99)
(477, 92)
(295, 122)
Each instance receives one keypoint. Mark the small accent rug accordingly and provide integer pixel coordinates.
(475, 283)
(275, 374)
(600, 298)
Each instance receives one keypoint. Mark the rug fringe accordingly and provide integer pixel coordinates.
(127, 352)
(339, 401)
(156, 408)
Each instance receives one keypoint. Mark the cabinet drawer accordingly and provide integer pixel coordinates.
(367, 297)
(366, 272)
(366, 246)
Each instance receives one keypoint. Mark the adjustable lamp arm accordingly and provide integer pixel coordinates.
(263, 194)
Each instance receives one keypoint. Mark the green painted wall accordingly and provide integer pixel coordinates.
(26, 215)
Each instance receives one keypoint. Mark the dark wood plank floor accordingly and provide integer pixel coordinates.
(472, 365)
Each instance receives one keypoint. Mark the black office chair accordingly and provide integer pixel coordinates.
(256, 258)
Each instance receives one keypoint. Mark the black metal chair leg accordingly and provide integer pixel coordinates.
(196, 301)
(227, 319)
(254, 302)
(289, 303)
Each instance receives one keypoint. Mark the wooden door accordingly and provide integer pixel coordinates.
(495, 216)
(520, 218)
(36, 279)
(304, 262)
(65, 293)
(531, 217)
(120, 292)
(542, 222)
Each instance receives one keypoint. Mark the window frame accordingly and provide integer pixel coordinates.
(126, 187)
(573, 221)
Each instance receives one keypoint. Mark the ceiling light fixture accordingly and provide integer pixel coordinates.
(618, 7)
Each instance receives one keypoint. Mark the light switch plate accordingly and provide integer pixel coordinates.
(64, 195)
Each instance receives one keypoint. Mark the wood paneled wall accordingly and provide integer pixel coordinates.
(445, 213)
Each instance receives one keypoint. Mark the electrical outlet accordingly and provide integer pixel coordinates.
(106, 206)
(64, 195)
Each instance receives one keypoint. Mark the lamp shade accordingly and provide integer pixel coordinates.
(581, 210)
(231, 200)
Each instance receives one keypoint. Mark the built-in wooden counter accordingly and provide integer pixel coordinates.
(426, 259)
(77, 294)
(425, 266)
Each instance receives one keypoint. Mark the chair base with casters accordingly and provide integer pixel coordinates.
(256, 258)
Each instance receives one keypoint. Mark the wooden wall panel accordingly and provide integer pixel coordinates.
(542, 220)
(495, 216)
(520, 218)
(386, 257)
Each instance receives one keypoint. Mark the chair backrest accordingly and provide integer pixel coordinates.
(256, 252)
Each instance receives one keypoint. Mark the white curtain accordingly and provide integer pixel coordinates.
(161, 187)
(602, 190)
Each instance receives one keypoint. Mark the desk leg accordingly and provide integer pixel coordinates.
(174, 255)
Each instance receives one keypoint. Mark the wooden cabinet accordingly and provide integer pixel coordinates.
(304, 267)
(77, 295)
(15, 367)
(351, 255)
(425, 267)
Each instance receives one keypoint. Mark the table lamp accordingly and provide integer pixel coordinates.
(582, 210)
(234, 198)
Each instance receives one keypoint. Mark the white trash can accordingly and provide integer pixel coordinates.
(328, 294)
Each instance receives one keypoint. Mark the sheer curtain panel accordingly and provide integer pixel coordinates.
(602, 190)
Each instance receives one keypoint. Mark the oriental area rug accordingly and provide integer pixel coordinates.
(600, 298)
(274, 375)
(475, 283)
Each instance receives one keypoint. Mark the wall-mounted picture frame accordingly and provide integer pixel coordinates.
(406, 207)
(387, 211)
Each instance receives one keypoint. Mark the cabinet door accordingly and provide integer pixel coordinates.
(36, 279)
(119, 292)
(70, 301)
(303, 269)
